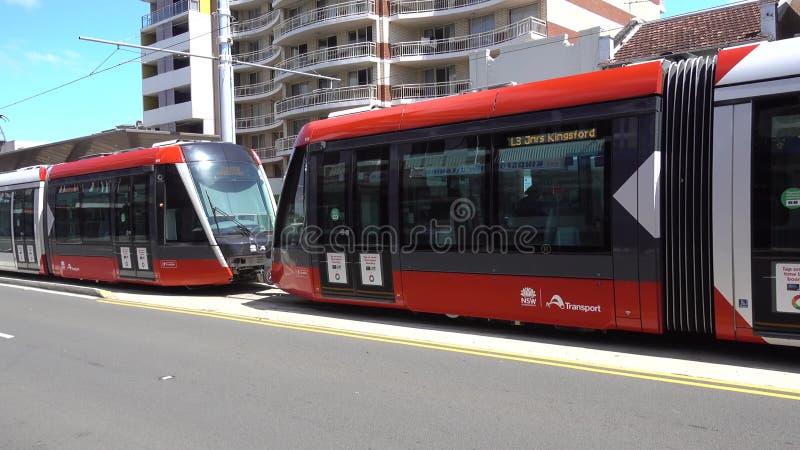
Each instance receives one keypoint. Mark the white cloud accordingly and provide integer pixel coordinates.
(24, 3)
(42, 57)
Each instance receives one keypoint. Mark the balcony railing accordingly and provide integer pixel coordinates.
(421, 6)
(472, 41)
(256, 23)
(429, 90)
(265, 152)
(361, 49)
(246, 123)
(327, 96)
(285, 143)
(258, 55)
(170, 11)
(249, 90)
(324, 14)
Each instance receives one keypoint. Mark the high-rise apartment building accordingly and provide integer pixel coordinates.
(383, 53)
(178, 92)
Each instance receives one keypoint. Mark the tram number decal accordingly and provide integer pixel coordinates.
(141, 258)
(337, 271)
(371, 269)
(125, 257)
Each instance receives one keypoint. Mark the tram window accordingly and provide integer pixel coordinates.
(181, 221)
(67, 217)
(5, 222)
(23, 213)
(332, 183)
(776, 170)
(553, 182)
(95, 211)
(293, 220)
(443, 193)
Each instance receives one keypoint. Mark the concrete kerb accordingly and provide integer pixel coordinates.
(60, 287)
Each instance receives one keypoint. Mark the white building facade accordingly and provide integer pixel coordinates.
(179, 94)
(384, 53)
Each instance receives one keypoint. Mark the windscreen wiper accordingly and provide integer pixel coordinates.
(242, 227)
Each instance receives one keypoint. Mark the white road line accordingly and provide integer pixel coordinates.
(7, 336)
(49, 291)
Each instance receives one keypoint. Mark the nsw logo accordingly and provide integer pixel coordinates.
(528, 297)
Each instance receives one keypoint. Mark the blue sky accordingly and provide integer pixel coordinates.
(40, 49)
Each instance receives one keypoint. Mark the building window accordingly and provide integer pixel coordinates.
(523, 12)
(481, 24)
(360, 78)
(360, 35)
(441, 32)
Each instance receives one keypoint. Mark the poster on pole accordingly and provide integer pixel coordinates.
(787, 287)
(371, 269)
(337, 271)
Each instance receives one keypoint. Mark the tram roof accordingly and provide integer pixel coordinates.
(594, 87)
(115, 161)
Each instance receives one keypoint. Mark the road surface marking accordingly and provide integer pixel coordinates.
(6, 336)
(651, 375)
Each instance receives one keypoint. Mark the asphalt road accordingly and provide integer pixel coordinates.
(77, 373)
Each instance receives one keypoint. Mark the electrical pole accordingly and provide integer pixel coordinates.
(227, 116)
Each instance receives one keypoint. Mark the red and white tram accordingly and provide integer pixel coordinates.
(659, 197)
(196, 213)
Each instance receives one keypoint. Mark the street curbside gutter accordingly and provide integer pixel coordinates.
(60, 287)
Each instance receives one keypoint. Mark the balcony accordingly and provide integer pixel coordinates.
(256, 123)
(530, 25)
(265, 153)
(324, 15)
(425, 6)
(261, 56)
(423, 91)
(285, 145)
(167, 12)
(241, 2)
(328, 55)
(254, 91)
(257, 24)
(328, 99)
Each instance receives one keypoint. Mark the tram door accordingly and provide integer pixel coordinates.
(24, 238)
(775, 215)
(132, 236)
(353, 215)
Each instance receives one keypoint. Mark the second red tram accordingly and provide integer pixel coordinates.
(658, 197)
(194, 213)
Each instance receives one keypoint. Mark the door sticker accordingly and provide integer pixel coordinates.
(371, 269)
(790, 198)
(337, 271)
(20, 253)
(141, 258)
(787, 287)
(31, 254)
(125, 256)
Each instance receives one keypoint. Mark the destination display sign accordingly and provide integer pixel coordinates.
(554, 137)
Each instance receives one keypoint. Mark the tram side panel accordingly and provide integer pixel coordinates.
(21, 239)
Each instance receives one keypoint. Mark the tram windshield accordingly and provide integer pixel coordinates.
(235, 198)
